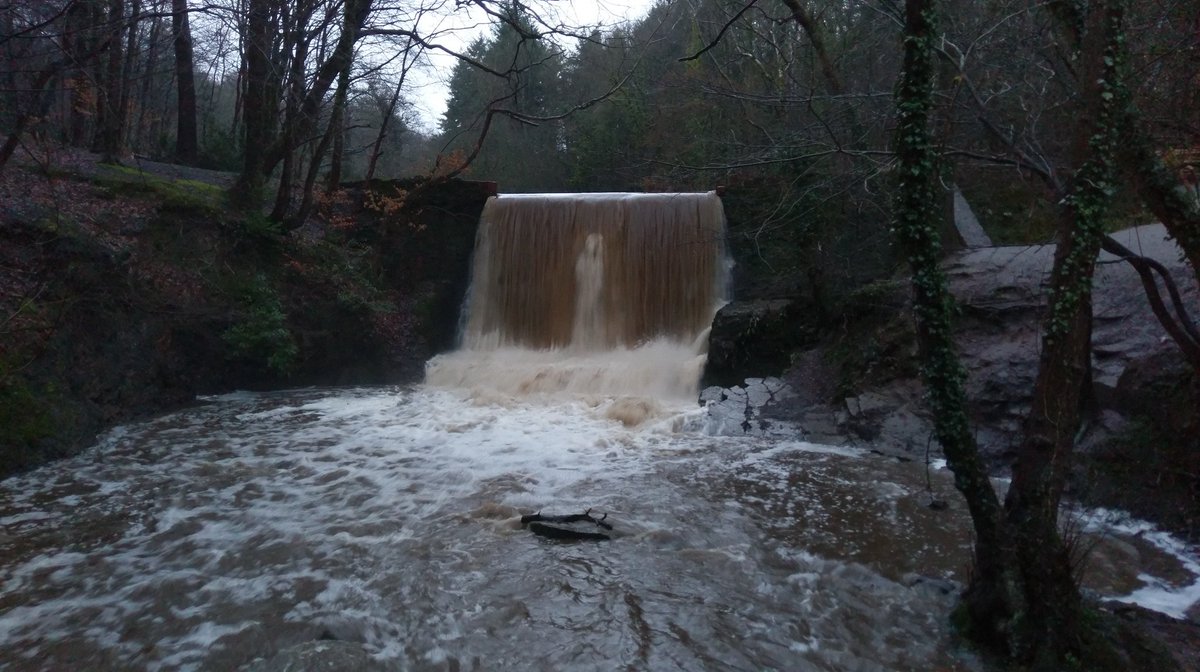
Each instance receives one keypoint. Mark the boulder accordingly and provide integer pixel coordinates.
(1001, 293)
(753, 338)
(1162, 389)
(892, 421)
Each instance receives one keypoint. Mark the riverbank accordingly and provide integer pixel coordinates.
(857, 382)
(127, 291)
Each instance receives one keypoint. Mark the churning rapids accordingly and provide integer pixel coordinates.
(214, 536)
(388, 518)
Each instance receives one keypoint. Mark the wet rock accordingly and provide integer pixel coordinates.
(931, 585)
(1158, 635)
(742, 409)
(1001, 295)
(753, 337)
(893, 421)
(1162, 388)
(868, 403)
(321, 656)
(821, 426)
(1101, 430)
(1001, 291)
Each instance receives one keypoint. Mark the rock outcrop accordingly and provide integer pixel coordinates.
(1001, 294)
(1001, 291)
(753, 336)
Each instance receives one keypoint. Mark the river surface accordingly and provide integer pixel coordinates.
(215, 537)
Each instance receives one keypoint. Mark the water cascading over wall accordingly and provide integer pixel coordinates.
(591, 293)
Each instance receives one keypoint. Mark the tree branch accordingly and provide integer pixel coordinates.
(721, 33)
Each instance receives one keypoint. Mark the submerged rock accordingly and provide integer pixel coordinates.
(741, 409)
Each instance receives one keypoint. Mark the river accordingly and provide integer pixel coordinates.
(217, 536)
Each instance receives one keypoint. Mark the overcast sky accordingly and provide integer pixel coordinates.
(431, 89)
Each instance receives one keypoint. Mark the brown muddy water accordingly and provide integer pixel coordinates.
(215, 537)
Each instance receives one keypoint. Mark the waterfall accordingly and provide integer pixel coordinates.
(591, 294)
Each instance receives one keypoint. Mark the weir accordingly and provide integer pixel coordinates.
(606, 294)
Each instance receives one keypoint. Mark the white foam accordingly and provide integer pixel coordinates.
(660, 369)
(354, 510)
(1157, 595)
(28, 517)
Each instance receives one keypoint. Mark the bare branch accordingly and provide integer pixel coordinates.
(721, 33)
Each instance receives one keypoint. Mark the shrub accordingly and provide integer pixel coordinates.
(262, 333)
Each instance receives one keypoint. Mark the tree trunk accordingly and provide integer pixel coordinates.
(1022, 597)
(335, 130)
(186, 148)
(337, 157)
(151, 66)
(1051, 630)
(297, 44)
(110, 122)
(130, 68)
(258, 103)
(44, 95)
(304, 124)
(804, 18)
(82, 19)
(916, 225)
(9, 97)
(338, 127)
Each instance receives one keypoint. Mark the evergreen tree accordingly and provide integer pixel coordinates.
(515, 79)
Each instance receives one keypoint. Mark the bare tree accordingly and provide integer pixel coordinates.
(186, 148)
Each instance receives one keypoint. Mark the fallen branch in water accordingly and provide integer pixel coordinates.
(556, 527)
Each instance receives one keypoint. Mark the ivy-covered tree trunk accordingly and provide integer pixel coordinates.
(1160, 191)
(917, 223)
(1022, 599)
(1163, 194)
(1051, 628)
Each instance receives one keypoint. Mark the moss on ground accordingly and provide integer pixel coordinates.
(175, 196)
